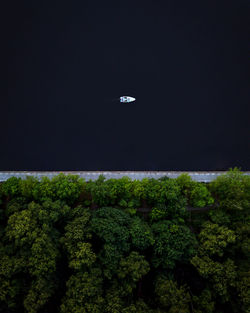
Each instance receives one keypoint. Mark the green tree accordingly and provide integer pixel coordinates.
(165, 192)
(118, 298)
(61, 187)
(219, 216)
(99, 191)
(15, 205)
(138, 306)
(84, 293)
(172, 243)
(214, 239)
(76, 240)
(29, 186)
(243, 289)
(232, 190)
(111, 226)
(10, 187)
(242, 245)
(196, 193)
(40, 291)
(10, 286)
(31, 236)
(170, 297)
(141, 234)
(204, 303)
(131, 270)
(67, 187)
(221, 276)
(113, 192)
(120, 191)
(212, 262)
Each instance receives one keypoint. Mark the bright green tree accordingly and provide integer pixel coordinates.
(61, 187)
(232, 190)
(196, 193)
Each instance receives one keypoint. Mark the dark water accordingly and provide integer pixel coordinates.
(186, 62)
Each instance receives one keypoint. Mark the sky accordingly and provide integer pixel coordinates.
(185, 62)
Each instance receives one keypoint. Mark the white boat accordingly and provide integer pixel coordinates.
(126, 99)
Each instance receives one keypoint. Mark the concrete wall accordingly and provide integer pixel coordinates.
(197, 176)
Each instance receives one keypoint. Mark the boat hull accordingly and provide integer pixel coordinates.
(126, 99)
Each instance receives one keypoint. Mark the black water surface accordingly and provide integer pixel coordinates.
(186, 62)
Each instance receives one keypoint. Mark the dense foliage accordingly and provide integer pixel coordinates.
(123, 246)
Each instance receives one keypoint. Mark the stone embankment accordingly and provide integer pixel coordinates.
(197, 176)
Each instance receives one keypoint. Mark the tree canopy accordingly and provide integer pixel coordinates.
(124, 246)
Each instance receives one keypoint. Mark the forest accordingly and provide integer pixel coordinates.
(125, 246)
